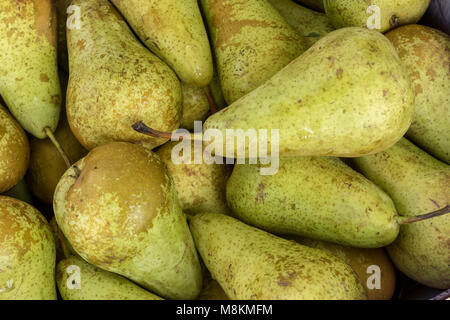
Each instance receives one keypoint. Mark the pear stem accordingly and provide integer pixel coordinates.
(50, 135)
(427, 216)
(141, 127)
(211, 101)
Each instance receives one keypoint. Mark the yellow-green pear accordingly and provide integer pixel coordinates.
(216, 91)
(309, 23)
(200, 186)
(425, 52)
(251, 42)
(347, 96)
(119, 210)
(315, 197)
(78, 280)
(21, 192)
(250, 264)
(115, 81)
(195, 106)
(28, 64)
(417, 183)
(27, 253)
(313, 4)
(14, 151)
(381, 15)
(174, 30)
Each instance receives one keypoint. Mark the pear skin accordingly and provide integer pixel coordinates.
(14, 151)
(251, 42)
(27, 253)
(95, 283)
(418, 184)
(314, 197)
(174, 30)
(425, 52)
(63, 247)
(356, 13)
(250, 264)
(195, 106)
(115, 81)
(216, 91)
(313, 4)
(29, 81)
(119, 210)
(347, 96)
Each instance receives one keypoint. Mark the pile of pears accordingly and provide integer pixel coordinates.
(95, 207)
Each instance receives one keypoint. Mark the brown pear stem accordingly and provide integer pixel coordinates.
(211, 101)
(50, 135)
(141, 127)
(427, 216)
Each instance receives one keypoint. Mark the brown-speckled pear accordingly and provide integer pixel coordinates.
(28, 64)
(313, 4)
(251, 264)
(251, 41)
(357, 13)
(200, 186)
(195, 106)
(376, 271)
(425, 52)
(92, 283)
(119, 210)
(174, 30)
(14, 151)
(315, 197)
(116, 81)
(27, 253)
(347, 96)
(418, 184)
(309, 23)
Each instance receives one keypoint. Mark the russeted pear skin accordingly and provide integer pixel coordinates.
(356, 13)
(115, 81)
(418, 184)
(195, 106)
(28, 64)
(27, 253)
(425, 52)
(251, 264)
(348, 95)
(251, 42)
(314, 197)
(174, 30)
(119, 210)
(96, 284)
(14, 151)
(309, 23)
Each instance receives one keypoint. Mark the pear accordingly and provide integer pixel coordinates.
(357, 13)
(63, 247)
(200, 186)
(21, 192)
(14, 151)
(28, 64)
(425, 52)
(251, 42)
(216, 92)
(115, 81)
(314, 197)
(174, 30)
(313, 4)
(211, 288)
(195, 106)
(27, 253)
(376, 271)
(78, 280)
(251, 264)
(309, 23)
(417, 183)
(119, 210)
(347, 96)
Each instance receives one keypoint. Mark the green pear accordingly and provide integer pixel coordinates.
(251, 264)
(200, 186)
(28, 64)
(347, 96)
(216, 92)
(364, 13)
(314, 197)
(251, 42)
(119, 210)
(309, 23)
(115, 81)
(27, 253)
(21, 192)
(174, 30)
(313, 4)
(78, 280)
(14, 151)
(425, 52)
(417, 183)
(195, 106)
